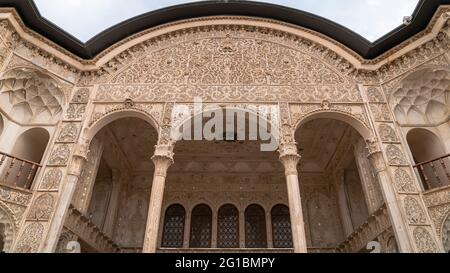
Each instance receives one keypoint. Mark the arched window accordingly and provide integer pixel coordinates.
(281, 227)
(173, 233)
(428, 152)
(228, 227)
(255, 227)
(201, 222)
(28, 152)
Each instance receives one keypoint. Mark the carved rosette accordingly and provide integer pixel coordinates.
(290, 158)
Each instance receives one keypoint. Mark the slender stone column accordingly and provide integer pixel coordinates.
(214, 229)
(162, 159)
(343, 202)
(187, 230)
(396, 216)
(242, 229)
(66, 195)
(269, 229)
(290, 158)
(110, 218)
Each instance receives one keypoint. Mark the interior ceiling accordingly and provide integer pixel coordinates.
(317, 140)
(137, 140)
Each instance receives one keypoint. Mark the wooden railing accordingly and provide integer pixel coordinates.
(435, 173)
(17, 172)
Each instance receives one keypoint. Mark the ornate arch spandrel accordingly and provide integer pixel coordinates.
(110, 113)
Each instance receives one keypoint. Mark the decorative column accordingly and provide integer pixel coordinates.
(65, 199)
(400, 188)
(110, 218)
(187, 230)
(242, 228)
(162, 159)
(269, 229)
(396, 216)
(343, 202)
(290, 159)
(214, 228)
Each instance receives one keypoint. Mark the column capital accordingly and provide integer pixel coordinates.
(376, 155)
(289, 157)
(79, 157)
(163, 159)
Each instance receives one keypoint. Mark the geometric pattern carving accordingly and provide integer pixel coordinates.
(42, 208)
(173, 232)
(34, 91)
(395, 155)
(51, 180)
(81, 96)
(60, 155)
(281, 227)
(255, 227)
(69, 133)
(228, 227)
(76, 111)
(404, 182)
(201, 227)
(387, 133)
(229, 61)
(414, 211)
(374, 94)
(31, 238)
(424, 241)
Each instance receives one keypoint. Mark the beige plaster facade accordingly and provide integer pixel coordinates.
(87, 154)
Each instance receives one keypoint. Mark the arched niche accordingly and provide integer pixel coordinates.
(27, 153)
(30, 96)
(427, 151)
(360, 127)
(424, 145)
(201, 227)
(31, 144)
(96, 127)
(423, 98)
(173, 230)
(228, 123)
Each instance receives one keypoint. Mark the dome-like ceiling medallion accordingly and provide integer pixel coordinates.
(32, 93)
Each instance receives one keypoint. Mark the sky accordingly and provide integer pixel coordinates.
(84, 19)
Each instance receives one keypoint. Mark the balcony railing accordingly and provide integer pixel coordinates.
(435, 173)
(17, 172)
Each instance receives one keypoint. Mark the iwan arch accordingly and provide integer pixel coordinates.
(87, 154)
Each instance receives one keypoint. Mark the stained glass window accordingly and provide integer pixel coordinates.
(228, 227)
(201, 222)
(281, 227)
(173, 233)
(255, 227)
